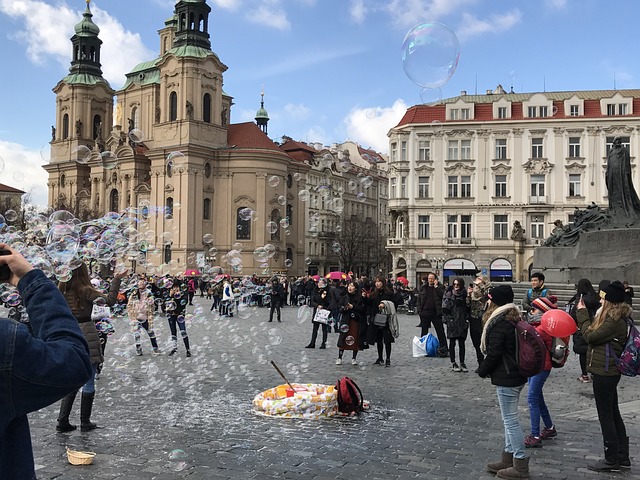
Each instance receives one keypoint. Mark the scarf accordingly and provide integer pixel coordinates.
(491, 322)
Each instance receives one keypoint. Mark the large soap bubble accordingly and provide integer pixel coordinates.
(430, 54)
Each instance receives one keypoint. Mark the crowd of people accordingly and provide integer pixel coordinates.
(364, 314)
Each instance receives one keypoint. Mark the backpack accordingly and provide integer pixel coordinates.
(628, 362)
(349, 396)
(559, 352)
(543, 293)
(530, 349)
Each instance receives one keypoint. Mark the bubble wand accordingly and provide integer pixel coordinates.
(282, 375)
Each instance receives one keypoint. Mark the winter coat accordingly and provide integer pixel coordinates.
(317, 299)
(457, 316)
(372, 303)
(532, 294)
(592, 303)
(613, 331)
(477, 300)
(81, 309)
(437, 292)
(354, 317)
(499, 346)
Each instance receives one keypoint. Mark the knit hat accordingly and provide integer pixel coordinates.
(544, 304)
(501, 295)
(614, 292)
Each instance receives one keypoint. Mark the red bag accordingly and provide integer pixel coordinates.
(349, 396)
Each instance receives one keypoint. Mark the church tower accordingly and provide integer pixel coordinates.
(84, 105)
(262, 117)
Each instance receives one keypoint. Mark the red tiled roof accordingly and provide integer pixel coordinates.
(299, 151)
(249, 135)
(7, 189)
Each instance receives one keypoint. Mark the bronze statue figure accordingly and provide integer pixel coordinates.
(624, 204)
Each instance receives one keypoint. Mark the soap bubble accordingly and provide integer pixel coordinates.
(349, 340)
(430, 96)
(275, 337)
(109, 160)
(282, 200)
(344, 328)
(11, 215)
(430, 54)
(303, 195)
(297, 176)
(176, 160)
(207, 239)
(370, 113)
(361, 197)
(272, 227)
(284, 223)
(245, 214)
(307, 260)
(82, 154)
(136, 135)
(274, 180)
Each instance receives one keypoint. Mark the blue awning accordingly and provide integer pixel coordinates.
(501, 273)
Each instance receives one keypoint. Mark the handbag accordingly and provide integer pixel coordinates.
(322, 316)
(98, 312)
(380, 320)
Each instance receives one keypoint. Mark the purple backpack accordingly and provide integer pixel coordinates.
(628, 362)
(530, 349)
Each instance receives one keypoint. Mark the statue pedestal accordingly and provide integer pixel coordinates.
(612, 254)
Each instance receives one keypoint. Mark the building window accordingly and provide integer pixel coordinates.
(574, 110)
(206, 209)
(624, 140)
(207, 170)
(452, 227)
(403, 187)
(168, 206)
(393, 154)
(537, 188)
(574, 185)
(423, 187)
(243, 224)
(622, 109)
(206, 108)
(403, 151)
(500, 226)
(97, 127)
(392, 187)
(465, 229)
(290, 214)
(63, 181)
(454, 114)
(453, 186)
(65, 126)
(423, 226)
(537, 226)
(531, 112)
(501, 148)
(501, 185)
(543, 111)
(453, 150)
(465, 186)
(502, 112)
(465, 114)
(424, 150)
(135, 116)
(465, 149)
(114, 201)
(536, 148)
(574, 147)
(173, 106)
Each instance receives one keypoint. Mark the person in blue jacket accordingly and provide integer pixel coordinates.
(36, 370)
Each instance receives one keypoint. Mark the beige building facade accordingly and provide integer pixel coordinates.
(462, 173)
(163, 150)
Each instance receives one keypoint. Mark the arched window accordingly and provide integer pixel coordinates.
(65, 126)
(114, 199)
(164, 45)
(243, 227)
(192, 22)
(63, 180)
(206, 209)
(173, 106)
(275, 217)
(289, 253)
(168, 206)
(206, 108)
(201, 23)
(92, 54)
(289, 181)
(76, 53)
(135, 116)
(183, 22)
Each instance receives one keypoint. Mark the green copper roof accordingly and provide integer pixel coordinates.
(86, 27)
(262, 113)
(144, 73)
(190, 51)
(84, 79)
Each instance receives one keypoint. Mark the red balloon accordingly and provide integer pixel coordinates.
(558, 323)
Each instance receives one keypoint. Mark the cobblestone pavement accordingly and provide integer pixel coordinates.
(425, 421)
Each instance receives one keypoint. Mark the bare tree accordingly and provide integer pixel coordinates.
(360, 246)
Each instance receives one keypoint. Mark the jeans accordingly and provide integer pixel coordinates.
(537, 407)
(508, 398)
(606, 396)
(173, 323)
(90, 386)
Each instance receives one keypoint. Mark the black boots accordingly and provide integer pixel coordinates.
(63, 417)
(85, 412)
(623, 452)
(611, 462)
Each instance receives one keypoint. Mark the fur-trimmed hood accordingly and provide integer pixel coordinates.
(507, 312)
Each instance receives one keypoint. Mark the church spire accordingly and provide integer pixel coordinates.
(262, 117)
(86, 46)
(193, 23)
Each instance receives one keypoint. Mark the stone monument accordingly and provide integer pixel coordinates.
(600, 243)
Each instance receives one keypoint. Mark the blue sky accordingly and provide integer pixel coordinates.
(331, 69)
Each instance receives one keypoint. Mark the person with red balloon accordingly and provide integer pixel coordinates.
(607, 331)
(541, 306)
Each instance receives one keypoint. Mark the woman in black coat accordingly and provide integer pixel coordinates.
(584, 289)
(381, 336)
(320, 299)
(352, 320)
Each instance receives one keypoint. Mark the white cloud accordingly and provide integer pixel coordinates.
(407, 13)
(228, 4)
(23, 169)
(369, 126)
(317, 134)
(270, 14)
(556, 4)
(46, 31)
(358, 11)
(472, 26)
(296, 111)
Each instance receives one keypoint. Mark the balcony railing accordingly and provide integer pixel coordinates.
(461, 241)
(394, 242)
(538, 199)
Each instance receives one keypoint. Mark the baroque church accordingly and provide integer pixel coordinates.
(171, 156)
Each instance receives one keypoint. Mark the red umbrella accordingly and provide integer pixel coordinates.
(403, 281)
(337, 276)
(192, 273)
(316, 277)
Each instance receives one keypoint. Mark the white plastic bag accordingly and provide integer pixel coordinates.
(419, 346)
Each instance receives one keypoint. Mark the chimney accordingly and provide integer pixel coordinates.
(463, 92)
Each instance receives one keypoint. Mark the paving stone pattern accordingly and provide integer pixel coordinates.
(171, 417)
